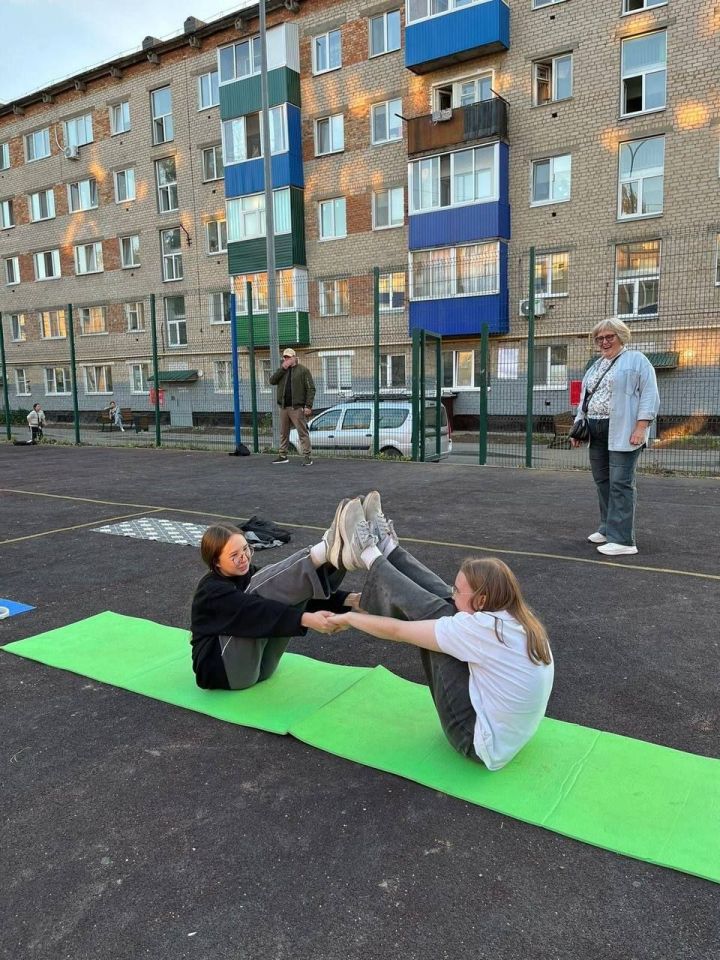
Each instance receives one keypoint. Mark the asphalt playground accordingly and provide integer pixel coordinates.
(134, 829)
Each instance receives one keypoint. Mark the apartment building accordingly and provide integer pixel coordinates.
(437, 140)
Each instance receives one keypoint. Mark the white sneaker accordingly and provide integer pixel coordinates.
(616, 550)
(597, 538)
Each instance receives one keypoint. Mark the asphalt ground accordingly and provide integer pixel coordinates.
(134, 829)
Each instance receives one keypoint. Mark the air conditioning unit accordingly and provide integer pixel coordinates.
(440, 116)
(71, 153)
(540, 308)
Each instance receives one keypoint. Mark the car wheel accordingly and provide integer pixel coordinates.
(391, 452)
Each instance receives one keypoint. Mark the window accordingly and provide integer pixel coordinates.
(92, 320)
(332, 219)
(240, 60)
(4, 156)
(463, 92)
(208, 90)
(717, 270)
(544, 3)
(392, 370)
(508, 362)
(175, 320)
(222, 376)
(632, 6)
(219, 304)
(242, 138)
(162, 119)
(471, 270)
(385, 33)
(22, 384)
(421, 9)
(386, 122)
(89, 258)
(553, 79)
(37, 145)
(644, 62)
(42, 205)
(329, 135)
(550, 367)
(82, 195)
(212, 163)
(166, 178)
(57, 381)
(334, 297)
(216, 236)
(392, 291)
(47, 265)
(640, 186)
(139, 373)
(551, 275)
(78, 131)
(124, 185)
(467, 176)
(12, 271)
(98, 379)
(7, 214)
(461, 369)
(246, 215)
(171, 246)
(327, 52)
(52, 324)
(551, 180)
(291, 287)
(637, 278)
(388, 208)
(120, 118)
(337, 372)
(17, 326)
(130, 251)
(134, 316)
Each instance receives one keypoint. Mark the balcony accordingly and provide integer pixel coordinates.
(486, 120)
(461, 34)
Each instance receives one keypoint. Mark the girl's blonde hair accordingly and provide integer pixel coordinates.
(495, 587)
(622, 330)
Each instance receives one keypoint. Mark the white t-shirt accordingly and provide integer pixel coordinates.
(509, 693)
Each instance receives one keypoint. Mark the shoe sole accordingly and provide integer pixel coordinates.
(334, 554)
(278, 462)
(619, 553)
(347, 557)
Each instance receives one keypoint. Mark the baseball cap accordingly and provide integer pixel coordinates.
(289, 352)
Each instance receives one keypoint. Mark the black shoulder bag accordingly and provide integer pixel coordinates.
(580, 430)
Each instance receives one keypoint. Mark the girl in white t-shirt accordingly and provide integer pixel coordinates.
(486, 655)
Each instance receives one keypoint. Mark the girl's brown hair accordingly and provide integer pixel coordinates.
(495, 587)
(214, 540)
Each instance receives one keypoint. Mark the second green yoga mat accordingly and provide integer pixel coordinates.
(632, 797)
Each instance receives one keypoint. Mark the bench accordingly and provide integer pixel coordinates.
(126, 414)
(561, 424)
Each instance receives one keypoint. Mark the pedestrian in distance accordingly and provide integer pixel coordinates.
(619, 398)
(115, 415)
(36, 421)
(295, 397)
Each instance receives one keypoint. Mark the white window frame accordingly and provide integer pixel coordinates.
(89, 317)
(551, 161)
(129, 244)
(7, 214)
(240, 124)
(343, 377)
(291, 285)
(253, 59)
(98, 379)
(386, 371)
(128, 176)
(218, 228)
(457, 383)
(482, 82)
(120, 111)
(22, 383)
(54, 321)
(219, 316)
(34, 205)
(384, 18)
(17, 327)
(83, 195)
(88, 258)
(643, 73)
(645, 5)
(336, 130)
(388, 108)
(163, 127)
(134, 314)
(507, 363)
(216, 152)
(451, 276)
(391, 202)
(550, 64)
(559, 380)
(5, 156)
(453, 5)
(138, 374)
(549, 260)
(12, 271)
(639, 178)
(250, 209)
(636, 281)
(78, 131)
(172, 260)
(50, 375)
(205, 84)
(334, 297)
(417, 168)
(322, 205)
(222, 376)
(539, 4)
(177, 326)
(167, 190)
(390, 280)
(40, 266)
(318, 38)
(32, 143)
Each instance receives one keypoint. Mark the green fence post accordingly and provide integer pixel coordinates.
(530, 362)
(73, 370)
(156, 369)
(376, 360)
(251, 361)
(438, 397)
(484, 354)
(6, 398)
(415, 404)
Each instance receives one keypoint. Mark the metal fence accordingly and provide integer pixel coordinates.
(167, 363)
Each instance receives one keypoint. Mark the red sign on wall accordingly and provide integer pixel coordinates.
(160, 393)
(575, 390)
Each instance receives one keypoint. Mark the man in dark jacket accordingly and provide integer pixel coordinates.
(295, 396)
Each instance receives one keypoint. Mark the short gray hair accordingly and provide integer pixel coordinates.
(614, 326)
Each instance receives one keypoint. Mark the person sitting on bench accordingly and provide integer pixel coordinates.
(485, 654)
(115, 416)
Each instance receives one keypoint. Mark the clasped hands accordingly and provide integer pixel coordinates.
(323, 621)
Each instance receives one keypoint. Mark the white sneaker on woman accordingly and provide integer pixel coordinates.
(597, 538)
(616, 550)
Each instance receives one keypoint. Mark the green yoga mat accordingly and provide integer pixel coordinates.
(628, 796)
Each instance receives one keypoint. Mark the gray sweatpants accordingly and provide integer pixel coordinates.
(293, 581)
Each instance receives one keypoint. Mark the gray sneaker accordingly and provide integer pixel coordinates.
(281, 459)
(380, 526)
(332, 538)
(355, 533)
(308, 462)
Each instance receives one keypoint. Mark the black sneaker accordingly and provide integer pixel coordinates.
(281, 459)
(308, 462)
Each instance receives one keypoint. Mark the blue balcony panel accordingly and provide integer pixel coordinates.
(464, 34)
(461, 316)
(456, 225)
(287, 168)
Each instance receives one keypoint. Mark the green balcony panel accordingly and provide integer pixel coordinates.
(250, 256)
(293, 328)
(243, 96)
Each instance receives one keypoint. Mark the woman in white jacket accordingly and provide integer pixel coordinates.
(620, 398)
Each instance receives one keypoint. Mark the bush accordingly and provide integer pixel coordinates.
(16, 416)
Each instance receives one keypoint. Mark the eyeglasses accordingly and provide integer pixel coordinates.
(607, 336)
